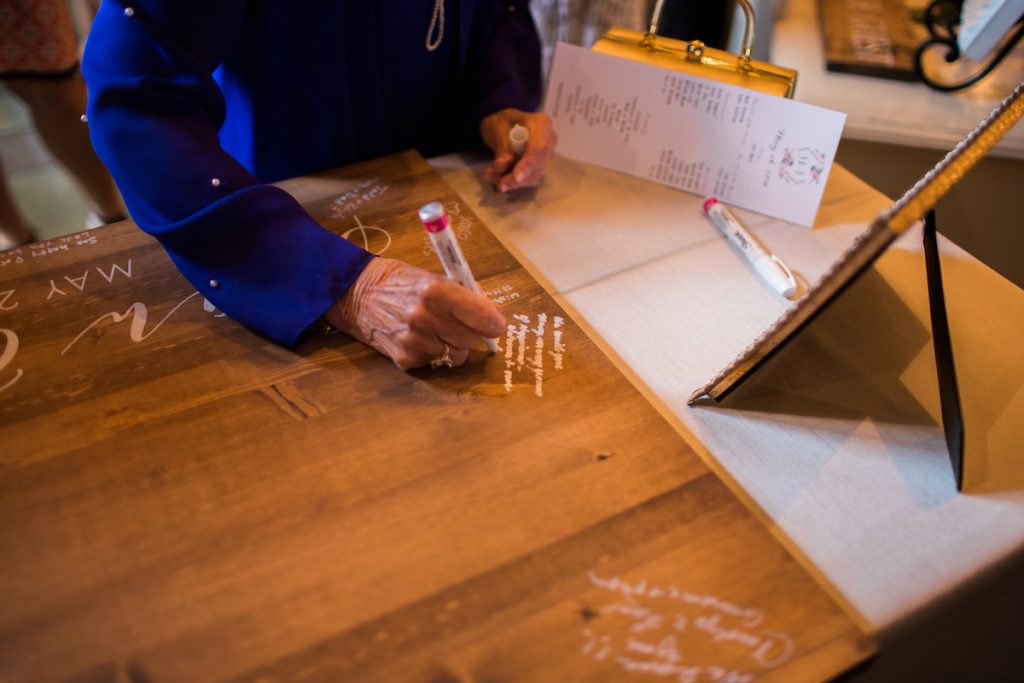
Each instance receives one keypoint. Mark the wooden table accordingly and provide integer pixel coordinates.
(837, 439)
(181, 500)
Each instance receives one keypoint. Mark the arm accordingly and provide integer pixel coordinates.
(154, 111)
(509, 85)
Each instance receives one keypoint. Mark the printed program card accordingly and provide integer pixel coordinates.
(760, 152)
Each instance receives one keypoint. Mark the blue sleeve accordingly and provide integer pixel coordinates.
(154, 112)
(508, 72)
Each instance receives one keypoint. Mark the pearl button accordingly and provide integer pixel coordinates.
(214, 284)
(83, 118)
(215, 182)
(129, 12)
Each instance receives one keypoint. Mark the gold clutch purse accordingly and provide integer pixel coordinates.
(694, 57)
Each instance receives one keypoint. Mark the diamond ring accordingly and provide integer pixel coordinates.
(444, 360)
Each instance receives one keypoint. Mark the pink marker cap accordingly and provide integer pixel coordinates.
(434, 217)
(709, 202)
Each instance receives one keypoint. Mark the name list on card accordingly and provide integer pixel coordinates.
(757, 151)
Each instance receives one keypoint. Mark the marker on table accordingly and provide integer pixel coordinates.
(446, 244)
(517, 139)
(771, 269)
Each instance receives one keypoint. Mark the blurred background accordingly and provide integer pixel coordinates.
(983, 214)
(50, 201)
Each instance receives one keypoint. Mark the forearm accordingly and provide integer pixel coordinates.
(154, 111)
(507, 71)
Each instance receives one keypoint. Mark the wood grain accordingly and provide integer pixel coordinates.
(194, 503)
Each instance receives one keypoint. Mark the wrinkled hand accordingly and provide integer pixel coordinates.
(505, 172)
(409, 314)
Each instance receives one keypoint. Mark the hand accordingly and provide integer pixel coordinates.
(504, 172)
(409, 314)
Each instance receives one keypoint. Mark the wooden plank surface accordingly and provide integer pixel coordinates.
(181, 500)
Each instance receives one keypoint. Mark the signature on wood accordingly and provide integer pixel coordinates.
(139, 315)
(17, 256)
(363, 231)
(348, 202)
(7, 357)
(660, 621)
(516, 347)
(138, 312)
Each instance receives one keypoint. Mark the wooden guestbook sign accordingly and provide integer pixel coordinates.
(871, 37)
(181, 500)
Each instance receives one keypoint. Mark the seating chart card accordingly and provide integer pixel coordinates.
(761, 152)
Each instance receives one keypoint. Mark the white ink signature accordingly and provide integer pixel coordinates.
(139, 315)
(362, 230)
(7, 357)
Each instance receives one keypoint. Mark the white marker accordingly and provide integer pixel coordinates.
(768, 266)
(517, 139)
(446, 244)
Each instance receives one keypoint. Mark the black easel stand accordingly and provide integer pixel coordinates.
(949, 396)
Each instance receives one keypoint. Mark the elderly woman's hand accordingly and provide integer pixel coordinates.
(409, 314)
(505, 172)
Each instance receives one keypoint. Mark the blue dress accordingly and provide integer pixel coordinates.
(195, 105)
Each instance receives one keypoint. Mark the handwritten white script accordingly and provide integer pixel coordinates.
(365, 192)
(517, 360)
(7, 357)
(365, 241)
(139, 315)
(662, 620)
